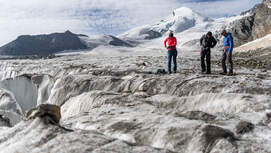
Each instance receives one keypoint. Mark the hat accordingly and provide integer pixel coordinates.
(223, 31)
(171, 34)
(209, 33)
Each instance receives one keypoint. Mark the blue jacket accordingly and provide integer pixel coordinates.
(228, 42)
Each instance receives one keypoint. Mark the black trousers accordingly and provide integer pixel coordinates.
(223, 61)
(205, 54)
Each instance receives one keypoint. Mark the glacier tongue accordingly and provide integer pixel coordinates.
(117, 103)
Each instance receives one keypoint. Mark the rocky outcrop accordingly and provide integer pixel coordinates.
(42, 44)
(267, 2)
(262, 20)
(244, 127)
(52, 112)
(254, 26)
(151, 34)
(242, 30)
(118, 42)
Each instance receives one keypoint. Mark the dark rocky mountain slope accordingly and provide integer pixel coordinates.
(42, 44)
(254, 26)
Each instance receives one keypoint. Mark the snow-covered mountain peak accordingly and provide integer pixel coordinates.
(185, 18)
(180, 20)
(188, 13)
(183, 11)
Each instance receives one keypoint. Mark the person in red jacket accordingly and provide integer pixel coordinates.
(170, 43)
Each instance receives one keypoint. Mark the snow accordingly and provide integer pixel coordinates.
(184, 19)
(7, 71)
(44, 89)
(186, 24)
(24, 91)
(215, 103)
(136, 33)
(96, 40)
(256, 44)
(268, 3)
(13, 117)
(103, 40)
(8, 102)
(99, 92)
(110, 96)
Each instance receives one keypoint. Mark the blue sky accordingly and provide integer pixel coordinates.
(20, 17)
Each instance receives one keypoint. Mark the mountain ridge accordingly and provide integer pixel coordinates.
(253, 26)
(42, 44)
(184, 22)
(181, 19)
(47, 44)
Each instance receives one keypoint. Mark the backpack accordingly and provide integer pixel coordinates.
(204, 42)
(159, 71)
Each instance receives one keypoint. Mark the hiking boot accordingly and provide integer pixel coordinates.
(223, 73)
(230, 74)
(208, 72)
(169, 72)
(175, 71)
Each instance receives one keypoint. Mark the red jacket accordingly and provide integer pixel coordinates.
(170, 43)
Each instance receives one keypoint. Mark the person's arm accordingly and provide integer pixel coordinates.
(226, 49)
(230, 45)
(175, 42)
(165, 42)
(214, 42)
(201, 39)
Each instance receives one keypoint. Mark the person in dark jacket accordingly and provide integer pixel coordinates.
(170, 43)
(227, 52)
(207, 42)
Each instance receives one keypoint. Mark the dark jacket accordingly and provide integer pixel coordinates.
(207, 43)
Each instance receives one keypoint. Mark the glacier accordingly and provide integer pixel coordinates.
(114, 102)
(117, 99)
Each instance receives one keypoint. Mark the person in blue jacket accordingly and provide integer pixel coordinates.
(227, 52)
